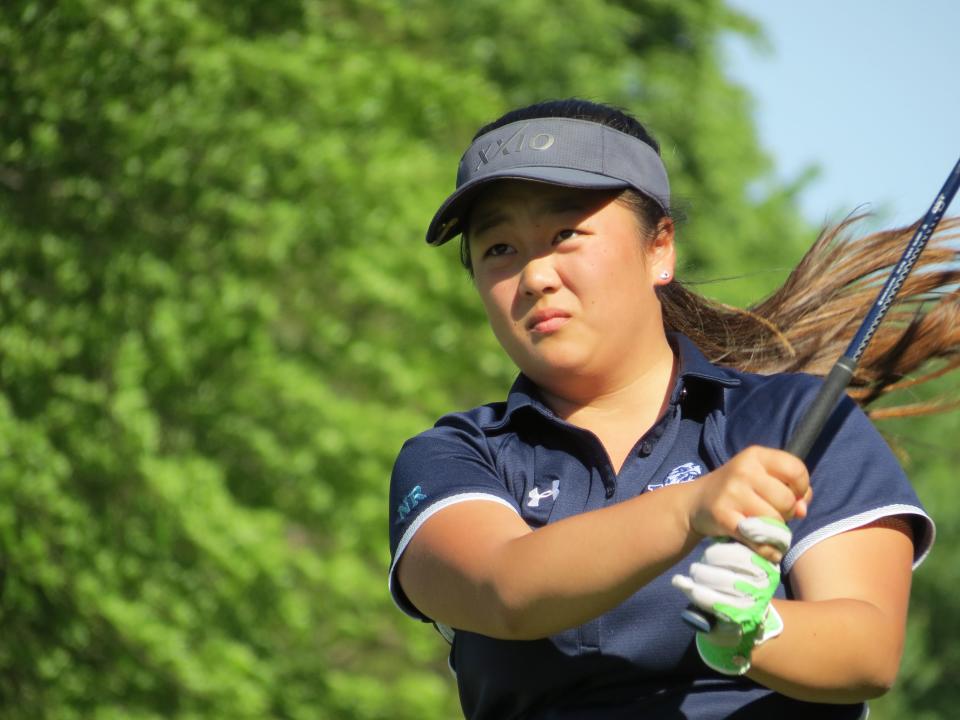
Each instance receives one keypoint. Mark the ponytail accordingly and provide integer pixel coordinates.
(806, 324)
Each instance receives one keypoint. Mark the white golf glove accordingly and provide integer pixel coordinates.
(735, 585)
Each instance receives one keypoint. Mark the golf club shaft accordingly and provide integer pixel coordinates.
(816, 415)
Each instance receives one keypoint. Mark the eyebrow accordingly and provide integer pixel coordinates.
(487, 220)
(551, 206)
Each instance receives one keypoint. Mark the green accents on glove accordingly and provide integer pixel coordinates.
(758, 587)
(729, 652)
(772, 626)
(735, 585)
(766, 531)
(727, 660)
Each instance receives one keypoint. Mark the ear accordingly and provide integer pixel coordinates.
(662, 254)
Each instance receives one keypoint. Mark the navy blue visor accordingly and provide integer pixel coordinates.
(559, 151)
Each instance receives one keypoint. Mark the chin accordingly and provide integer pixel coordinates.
(553, 368)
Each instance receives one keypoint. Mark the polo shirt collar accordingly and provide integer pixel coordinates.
(693, 364)
(524, 394)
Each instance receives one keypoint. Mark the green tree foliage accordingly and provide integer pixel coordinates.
(218, 323)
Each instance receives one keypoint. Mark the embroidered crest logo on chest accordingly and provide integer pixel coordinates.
(681, 474)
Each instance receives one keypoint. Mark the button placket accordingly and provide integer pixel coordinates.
(650, 454)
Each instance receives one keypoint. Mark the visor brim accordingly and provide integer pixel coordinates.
(448, 222)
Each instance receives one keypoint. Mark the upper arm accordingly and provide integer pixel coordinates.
(872, 564)
(447, 568)
(451, 509)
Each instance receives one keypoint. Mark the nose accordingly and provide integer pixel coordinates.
(539, 276)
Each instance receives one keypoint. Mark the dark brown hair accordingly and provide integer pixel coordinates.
(806, 324)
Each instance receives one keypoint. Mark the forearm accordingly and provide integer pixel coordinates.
(568, 572)
(513, 583)
(835, 651)
(477, 566)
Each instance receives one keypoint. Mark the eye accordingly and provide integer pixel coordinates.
(498, 249)
(566, 234)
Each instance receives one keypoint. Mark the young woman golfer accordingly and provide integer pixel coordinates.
(556, 537)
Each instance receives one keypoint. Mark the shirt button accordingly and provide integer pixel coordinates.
(609, 492)
(645, 448)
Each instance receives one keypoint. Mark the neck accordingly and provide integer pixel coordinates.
(638, 396)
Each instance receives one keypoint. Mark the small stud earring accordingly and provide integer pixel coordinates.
(664, 275)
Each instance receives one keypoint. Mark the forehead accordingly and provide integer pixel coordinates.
(504, 196)
(528, 191)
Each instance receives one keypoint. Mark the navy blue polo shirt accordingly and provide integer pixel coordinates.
(638, 659)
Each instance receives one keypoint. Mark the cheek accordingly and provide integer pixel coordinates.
(607, 273)
(614, 282)
(497, 298)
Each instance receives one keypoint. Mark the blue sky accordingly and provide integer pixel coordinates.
(868, 91)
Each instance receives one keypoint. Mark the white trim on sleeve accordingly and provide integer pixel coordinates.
(425, 515)
(924, 543)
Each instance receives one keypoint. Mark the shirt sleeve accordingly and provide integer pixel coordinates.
(856, 481)
(449, 464)
(855, 477)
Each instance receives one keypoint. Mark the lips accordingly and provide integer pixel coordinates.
(547, 320)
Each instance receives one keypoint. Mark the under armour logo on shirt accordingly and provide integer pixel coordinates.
(535, 495)
(680, 474)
